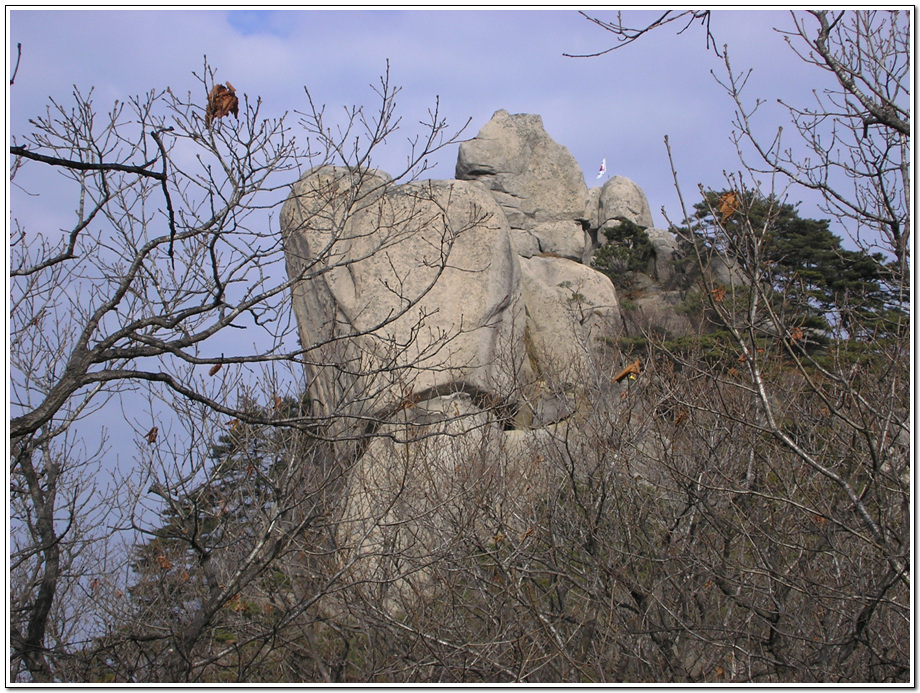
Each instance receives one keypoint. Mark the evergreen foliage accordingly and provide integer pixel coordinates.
(628, 249)
(824, 284)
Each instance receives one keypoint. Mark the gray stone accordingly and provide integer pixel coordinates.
(572, 313)
(564, 238)
(666, 250)
(620, 197)
(533, 178)
(420, 278)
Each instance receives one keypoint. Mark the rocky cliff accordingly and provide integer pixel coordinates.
(451, 325)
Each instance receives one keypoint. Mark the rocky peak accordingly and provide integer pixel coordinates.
(475, 297)
(537, 182)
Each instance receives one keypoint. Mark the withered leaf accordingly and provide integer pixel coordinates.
(728, 205)
(221, 102)
(216, 367)
(632, 369)
(151, 436)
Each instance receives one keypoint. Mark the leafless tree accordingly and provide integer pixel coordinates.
(795, 474)
(740, 511)
(171, 281)
(733, 509)
(852, 145)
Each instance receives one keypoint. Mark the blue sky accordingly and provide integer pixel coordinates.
(618, 106)
(474, 62)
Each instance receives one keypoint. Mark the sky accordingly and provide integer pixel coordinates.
(617, 107)
(473, 62)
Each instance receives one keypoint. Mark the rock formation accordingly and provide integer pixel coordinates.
(446, 320)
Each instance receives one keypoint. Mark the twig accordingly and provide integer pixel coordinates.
(155, 134)
(141, 170)
(18, 58)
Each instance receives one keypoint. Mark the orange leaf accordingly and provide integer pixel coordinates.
(632, 369)
(718, 294)
(796, 334)
(728, 205)
(221, 102)
(216, 367)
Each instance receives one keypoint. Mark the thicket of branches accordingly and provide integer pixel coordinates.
(742, 517)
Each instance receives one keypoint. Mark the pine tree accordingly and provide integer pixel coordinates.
(205, 534)
(823, 283)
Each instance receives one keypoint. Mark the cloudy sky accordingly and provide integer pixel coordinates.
(619, 106)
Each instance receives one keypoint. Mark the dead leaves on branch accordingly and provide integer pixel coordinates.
(222, 101)
(632, 370)
(728, 204)
(718, 294)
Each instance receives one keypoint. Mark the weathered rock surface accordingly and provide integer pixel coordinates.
(667, 249)
(537, 182)
(572, 314)
(621, 198)
(410, 492)
(413, 290)
(450, 329)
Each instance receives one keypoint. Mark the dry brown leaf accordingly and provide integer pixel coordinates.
(632, 369)
(728, 205)
(152, 435)
(718, 294)
(222, 101)
(216, 367)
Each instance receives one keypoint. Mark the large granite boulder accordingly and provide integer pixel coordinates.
(537, 182)
(621, 198)
(401, 291)
(572, 315)
(451, 329)
(667, 250)
(413, 494)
